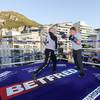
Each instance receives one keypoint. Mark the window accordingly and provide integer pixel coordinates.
(16, 46)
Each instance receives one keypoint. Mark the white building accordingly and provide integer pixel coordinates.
(64, 28)
(98, 37)
(16, 43)
(94, 38)
(84, 28)
(5, 53)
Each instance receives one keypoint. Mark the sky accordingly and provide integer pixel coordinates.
(56, 11)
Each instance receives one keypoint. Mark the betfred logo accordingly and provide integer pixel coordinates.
(25, 87)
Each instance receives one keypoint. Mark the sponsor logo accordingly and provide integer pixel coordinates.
(25, 87)
(93, 95)
(5, 75)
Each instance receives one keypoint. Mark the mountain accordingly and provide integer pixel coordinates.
(11, 19)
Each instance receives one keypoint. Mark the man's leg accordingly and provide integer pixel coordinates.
(45, 64)
(54, 61)
(75, 59)
(79, 60)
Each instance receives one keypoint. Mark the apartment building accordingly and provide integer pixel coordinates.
(84, 29)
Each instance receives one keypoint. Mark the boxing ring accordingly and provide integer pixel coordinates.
(17, 83)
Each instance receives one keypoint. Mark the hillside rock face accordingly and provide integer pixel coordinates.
(11, 19)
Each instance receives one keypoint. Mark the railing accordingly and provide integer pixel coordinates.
(37, 57)
(15, 56)
(20, 56)
(93, 56)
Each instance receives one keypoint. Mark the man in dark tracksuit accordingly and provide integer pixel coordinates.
(51, 46)
(77, 52)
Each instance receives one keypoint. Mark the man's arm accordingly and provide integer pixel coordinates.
(79, 39)
(74, 39)
(56, 43)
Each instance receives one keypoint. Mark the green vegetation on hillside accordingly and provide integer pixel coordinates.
(12, 19)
